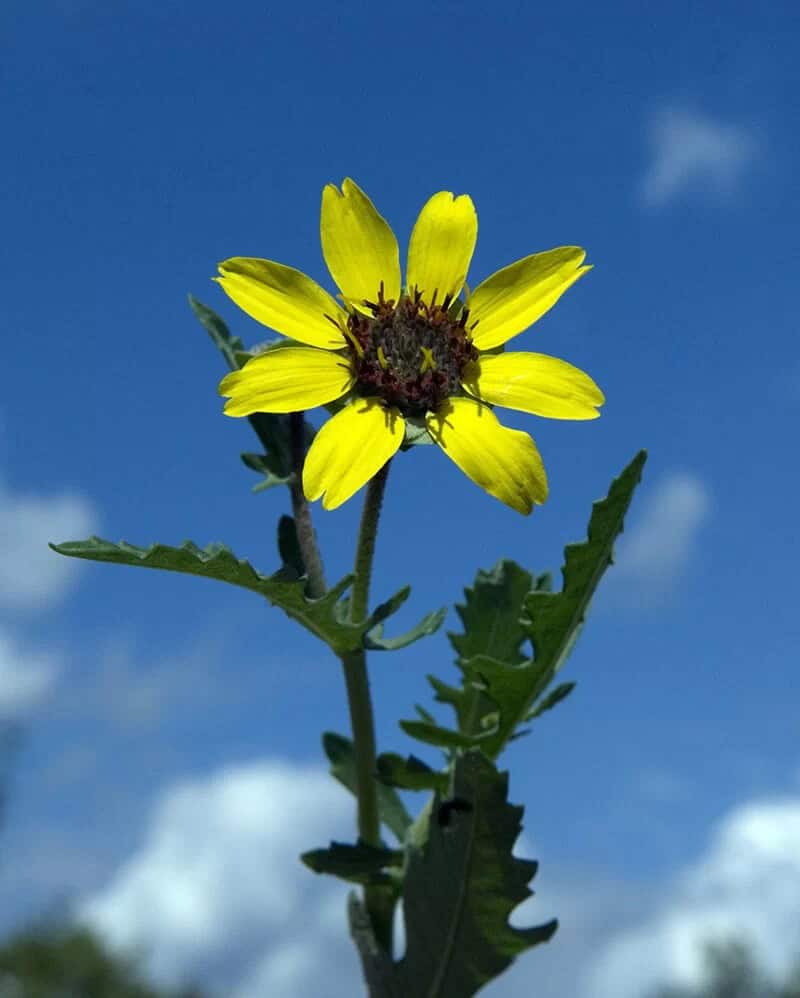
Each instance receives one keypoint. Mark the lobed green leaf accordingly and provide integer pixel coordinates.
(324, 617)
(490, 614)
(459, 891)
(501, 685)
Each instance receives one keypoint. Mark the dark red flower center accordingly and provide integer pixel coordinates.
(411, 354)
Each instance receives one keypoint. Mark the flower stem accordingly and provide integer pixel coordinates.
(379, 900)
(365, 552)
(306, 537)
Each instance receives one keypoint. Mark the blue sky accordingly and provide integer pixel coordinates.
(145, 143)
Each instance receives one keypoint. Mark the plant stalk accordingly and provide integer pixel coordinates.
(379, 900)
(365, 551)
(306, 537)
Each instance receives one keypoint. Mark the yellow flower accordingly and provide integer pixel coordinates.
(417, 353)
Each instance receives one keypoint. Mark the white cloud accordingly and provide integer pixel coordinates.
(653, 554)
(746, 886)
(589, 907)
(31, 575)
(25, 677)
(216, 894)
(689, 149)
(217, 888)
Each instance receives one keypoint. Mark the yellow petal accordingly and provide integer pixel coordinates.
(504, 462)
(286, 379)
(284, 299)
(516, 296)
(350, 449)
(441, 246)
(359, 247)
(535, 383)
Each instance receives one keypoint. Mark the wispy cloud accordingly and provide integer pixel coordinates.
(32, 577)
(753, 856)
(690, 149)
(653, 555)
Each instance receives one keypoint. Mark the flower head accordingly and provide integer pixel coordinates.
(423, 353)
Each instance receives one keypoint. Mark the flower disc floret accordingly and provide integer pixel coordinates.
(413, 355)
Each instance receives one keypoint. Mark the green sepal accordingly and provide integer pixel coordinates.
(359, 864)
(410, 773)
(391, 809)
(416, 433)
(458, 893)
(429, 624)
(325, 617)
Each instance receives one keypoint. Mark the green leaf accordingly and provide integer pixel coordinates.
(553, 620)
(490, 614)
(429, 624)
(490, 617)
(289, 546)
(271, 428)
(272, 466)
(391, 605)
(221, 337)
(360, 864)
(393, 813)
(322, 617)
(424, 714)
(432, 734)
(501, 686)
(458, 894)
(561, 692)
(410, 773)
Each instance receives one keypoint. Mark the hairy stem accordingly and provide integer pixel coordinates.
(365, 552)
(306, 537)
(379, 901)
